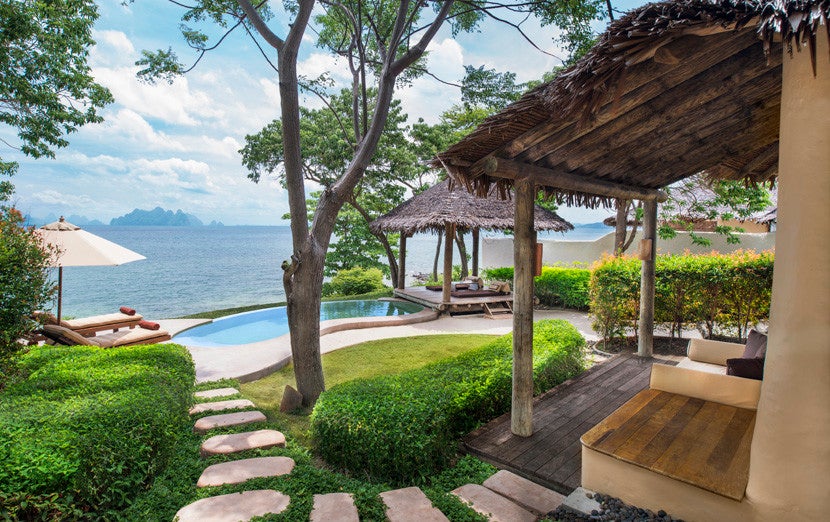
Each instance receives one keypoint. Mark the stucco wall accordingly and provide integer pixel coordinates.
(498, 251)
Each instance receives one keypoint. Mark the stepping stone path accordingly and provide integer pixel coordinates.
(492, 505)
(236, 442)
(410, 505)
(238, 404)
(334, 507)
(238, 471)
(226, 420)
(218, 392)
(504, 497)
(527, 494)
(234, 506)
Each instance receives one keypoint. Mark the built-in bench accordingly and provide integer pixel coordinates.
(685, 442)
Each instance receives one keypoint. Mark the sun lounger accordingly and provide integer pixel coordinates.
(60, 335)
(97, 323)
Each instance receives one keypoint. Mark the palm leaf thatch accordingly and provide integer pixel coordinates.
(670, 90)
(432, 209)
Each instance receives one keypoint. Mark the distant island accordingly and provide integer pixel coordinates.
(158, 217)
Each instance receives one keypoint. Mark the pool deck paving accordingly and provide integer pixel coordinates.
(249, 362)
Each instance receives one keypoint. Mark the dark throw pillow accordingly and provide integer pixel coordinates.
(747, 368)
(756, 345)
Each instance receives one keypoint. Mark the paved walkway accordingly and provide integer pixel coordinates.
(249, 362)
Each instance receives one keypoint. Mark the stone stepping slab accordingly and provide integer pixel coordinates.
(527, 494)
(334, 507)
(234, 506)
(236, 404)
(410, 505)
(236, 442)
(227, 420)
(238, 471)
(493, 505)
(218, 392)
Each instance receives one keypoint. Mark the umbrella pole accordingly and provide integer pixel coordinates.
(60, 291)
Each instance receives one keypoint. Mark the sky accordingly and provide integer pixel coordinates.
(176, 145)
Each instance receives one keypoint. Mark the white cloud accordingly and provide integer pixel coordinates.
(427, 97)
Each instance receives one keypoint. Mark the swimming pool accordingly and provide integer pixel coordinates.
(260, 325)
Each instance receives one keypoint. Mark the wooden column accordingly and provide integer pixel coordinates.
(475, 251)
(645, 334)
(449, 235)
(402, 262)
(521, 421)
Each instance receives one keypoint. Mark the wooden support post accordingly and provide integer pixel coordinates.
(60, 293)
(402, 262)
(475, 250)
(524, 244)
(449, 235)
(645, 333)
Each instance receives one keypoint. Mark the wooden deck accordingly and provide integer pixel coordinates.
(552, 455)
(433, 299)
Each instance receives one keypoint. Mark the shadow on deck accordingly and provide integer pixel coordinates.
(552, 456)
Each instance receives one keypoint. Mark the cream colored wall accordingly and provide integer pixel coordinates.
(789, 476)
(498, 251)
(749, 227)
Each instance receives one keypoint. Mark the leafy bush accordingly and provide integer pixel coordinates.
(557, 286)
(730, 292)
(90, 427)
(406, 426)
(24, 281)
(354, 281)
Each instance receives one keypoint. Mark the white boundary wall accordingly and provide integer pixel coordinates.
(498, 251)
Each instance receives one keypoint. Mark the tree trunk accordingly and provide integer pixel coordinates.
(621, 227)
(384, 241)
(437, 256)
(462, 252)
(476, 237)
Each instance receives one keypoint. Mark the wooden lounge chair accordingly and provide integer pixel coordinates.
(97, 323)
(60, 335)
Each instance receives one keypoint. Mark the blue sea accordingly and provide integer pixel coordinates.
(197, 269)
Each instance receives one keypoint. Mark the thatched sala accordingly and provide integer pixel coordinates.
(740, 90)
(441, 209)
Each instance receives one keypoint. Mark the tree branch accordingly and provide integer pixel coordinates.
(261, 27)
(415, 52)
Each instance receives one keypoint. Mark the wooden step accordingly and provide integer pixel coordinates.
(216, 392)
(334, 507)
(237, 471)
(234, 506)
(237, 404)
(410, 505)
(236, 442)
(493, 505)
(500, 310)
(527, 494)
(227, 420)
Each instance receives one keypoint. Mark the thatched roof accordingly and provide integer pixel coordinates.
(670, 90)
(438, 205)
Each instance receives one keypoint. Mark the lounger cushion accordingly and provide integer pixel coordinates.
(126, 337)
(100, 321)
(65, 336)
(746, 368)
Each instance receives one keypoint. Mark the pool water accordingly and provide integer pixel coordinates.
(260, 325)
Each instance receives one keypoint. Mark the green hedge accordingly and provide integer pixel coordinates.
(403, 427)
(89, 428)
(557, 286)
(717, 293)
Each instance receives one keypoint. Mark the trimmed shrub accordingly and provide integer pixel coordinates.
(713, 292)
(354, 281)
(404, 427)
(89, 428)
(557, 286)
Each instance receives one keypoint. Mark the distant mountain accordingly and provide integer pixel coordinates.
(599, 224)
(158, 217)
(81, 221)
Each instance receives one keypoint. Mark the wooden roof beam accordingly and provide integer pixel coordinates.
(502, 168)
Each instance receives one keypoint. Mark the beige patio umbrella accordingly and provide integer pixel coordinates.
(76, 247)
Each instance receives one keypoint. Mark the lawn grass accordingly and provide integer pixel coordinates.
(365, 360)
(215, 314)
